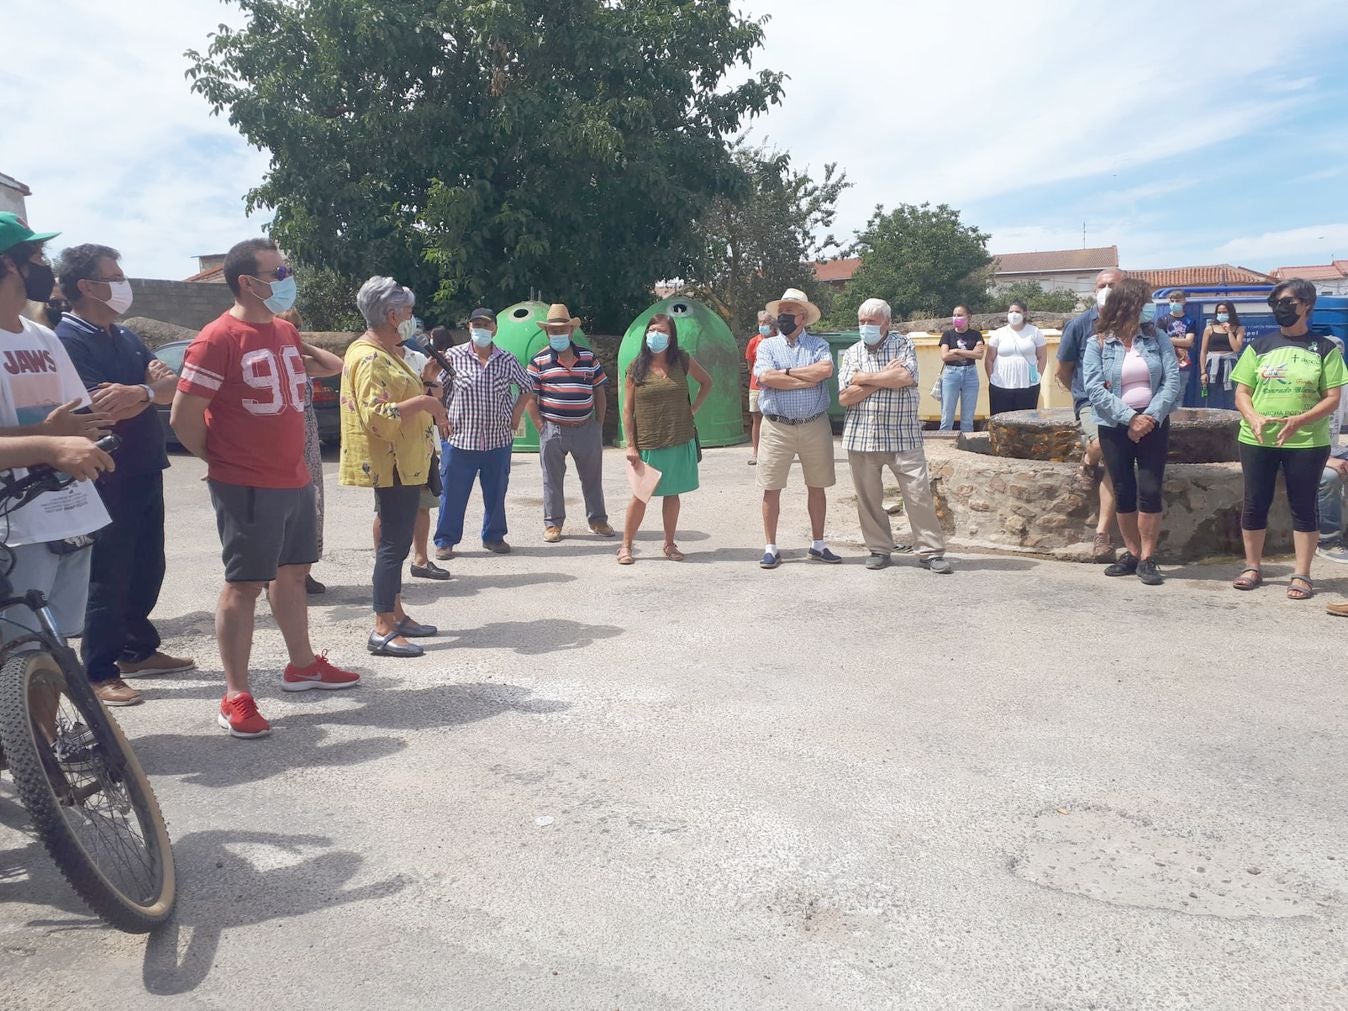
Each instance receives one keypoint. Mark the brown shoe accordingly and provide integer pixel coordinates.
(552, 534)
(444, 554)
(159, 663)
(603, 529)
(1103, 548)
(1339, 610)
(117, 693)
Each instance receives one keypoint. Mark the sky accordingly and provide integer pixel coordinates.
(1208, 131)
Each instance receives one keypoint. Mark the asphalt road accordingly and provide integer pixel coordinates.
(708, 786)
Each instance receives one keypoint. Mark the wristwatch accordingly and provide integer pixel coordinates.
(149, 392)
(788, 372)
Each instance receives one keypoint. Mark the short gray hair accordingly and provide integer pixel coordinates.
(875, 305)
(380, 296)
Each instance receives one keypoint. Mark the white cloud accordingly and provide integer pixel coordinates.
(1327, 240)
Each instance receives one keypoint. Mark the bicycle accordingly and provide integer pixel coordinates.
(89, 799)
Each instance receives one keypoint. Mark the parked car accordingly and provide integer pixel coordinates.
(327, 398)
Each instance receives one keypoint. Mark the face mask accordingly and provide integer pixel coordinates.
(959, 321)
(1286, 315)
(765, 331)
(53, 317)
(786, 323)
(1102, 296)
(1177, 308)
(282, 295)
(1222, 317)
(1149, 313)
(1015, 318)
(657, 341)
(559, 341)
(480, 337)
(119, 297)
(870, 333)
(38, 282)
(407, 329)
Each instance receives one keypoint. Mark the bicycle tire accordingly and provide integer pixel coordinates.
(32, 763)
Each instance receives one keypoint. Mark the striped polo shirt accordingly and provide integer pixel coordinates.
(566, 394)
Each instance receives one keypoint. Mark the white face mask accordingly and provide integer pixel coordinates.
(481, 336)
(406, 329)
(1015, 318)
(119, 296)
(1102, 296)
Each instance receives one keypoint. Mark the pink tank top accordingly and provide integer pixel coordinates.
(1136, 377)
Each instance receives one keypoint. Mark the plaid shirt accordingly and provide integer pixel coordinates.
(777, 353)
(886, 421)
(479, 399)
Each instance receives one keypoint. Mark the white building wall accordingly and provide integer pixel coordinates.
(1083, 283)
(12, 200)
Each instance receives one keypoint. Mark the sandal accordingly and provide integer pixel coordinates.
(673, 553)
(625, 555)
(1295, 592)
(1244, 582)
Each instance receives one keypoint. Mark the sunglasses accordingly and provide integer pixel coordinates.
(58, 305)
(279, 274)
(1286, 302)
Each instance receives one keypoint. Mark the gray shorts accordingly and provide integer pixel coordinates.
(1090, 425)
(63, 580)
(262, 529)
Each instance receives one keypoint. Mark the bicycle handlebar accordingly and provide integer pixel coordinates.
(44, 478)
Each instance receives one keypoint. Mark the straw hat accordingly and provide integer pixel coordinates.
(797, 296)
(558, 315)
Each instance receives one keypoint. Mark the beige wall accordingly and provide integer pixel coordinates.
(929, 367)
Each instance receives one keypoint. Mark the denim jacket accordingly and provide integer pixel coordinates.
(1102, 368)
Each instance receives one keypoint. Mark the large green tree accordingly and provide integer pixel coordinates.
(762, 241)
(484, 150)
(920, 259)
(1034, 295)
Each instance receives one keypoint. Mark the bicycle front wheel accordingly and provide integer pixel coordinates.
(101, 826)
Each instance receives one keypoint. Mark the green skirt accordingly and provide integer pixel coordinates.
(677, 466)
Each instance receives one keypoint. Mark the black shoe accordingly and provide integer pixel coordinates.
(1149, 573)
(824, 555)
(415, 630)
(430, 571)
(497, 547)
(313, 587)
(383, 645)
(1125, 566)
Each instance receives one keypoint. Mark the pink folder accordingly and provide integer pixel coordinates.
(643, 478)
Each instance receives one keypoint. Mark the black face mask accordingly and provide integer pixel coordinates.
(1286, 315)
(38, 281)
(786, 323)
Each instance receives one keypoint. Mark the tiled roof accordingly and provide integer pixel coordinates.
(1335, 271)
(1057, 259)
(216, 275)
(1220, 273)
(836, 270)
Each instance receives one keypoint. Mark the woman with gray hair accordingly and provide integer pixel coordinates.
(388, 417)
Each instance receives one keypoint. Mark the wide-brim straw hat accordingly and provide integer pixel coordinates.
(797, 296)
(558, 314)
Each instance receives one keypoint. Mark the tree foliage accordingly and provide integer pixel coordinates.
(327, 299)
(1033, 295)
(920, 259)
(759, 242)
(482, 149)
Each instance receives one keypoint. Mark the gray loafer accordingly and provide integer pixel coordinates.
(415, 630)
(938, 565)
(383, 645)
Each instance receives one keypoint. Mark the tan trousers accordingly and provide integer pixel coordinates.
(910, 469)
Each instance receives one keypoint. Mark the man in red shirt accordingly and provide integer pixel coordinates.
(767, 327)
(240, 407)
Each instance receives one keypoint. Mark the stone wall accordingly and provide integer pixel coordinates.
(1044, 508)
(185, 303)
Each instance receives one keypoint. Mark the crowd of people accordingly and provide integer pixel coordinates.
(422, 427)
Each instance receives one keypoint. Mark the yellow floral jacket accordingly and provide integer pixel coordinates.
(375, 437)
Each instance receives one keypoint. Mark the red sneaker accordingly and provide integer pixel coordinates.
(240, 717)
(319, 674)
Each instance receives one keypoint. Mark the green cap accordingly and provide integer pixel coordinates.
(13, 230)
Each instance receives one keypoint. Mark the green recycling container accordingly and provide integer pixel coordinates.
(518, 332)
(705, 335)
(838, 342)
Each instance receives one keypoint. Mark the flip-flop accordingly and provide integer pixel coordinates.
(1295, 592)
(1242, 582)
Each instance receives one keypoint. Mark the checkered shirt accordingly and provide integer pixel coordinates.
(886, 421)
(479, 397)
(776, 353)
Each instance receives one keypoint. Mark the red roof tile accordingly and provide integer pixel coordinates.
(1220, 273)
(1335, 271)
(1057, 259)
(836, 270)
(216, 275)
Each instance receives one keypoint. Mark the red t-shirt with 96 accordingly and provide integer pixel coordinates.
(253, 375)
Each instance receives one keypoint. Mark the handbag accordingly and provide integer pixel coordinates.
(936, 386)
(434, 484)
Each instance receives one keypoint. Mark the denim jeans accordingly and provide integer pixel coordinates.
(1331, 508)
(959, 382)
(459, 469)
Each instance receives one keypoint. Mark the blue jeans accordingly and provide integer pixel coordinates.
(459, 468)
(1331, 508)
(959, 382)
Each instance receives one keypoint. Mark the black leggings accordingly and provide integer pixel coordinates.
(1140, 489)
(397, 509)
(1001, 400)
(1301, 470)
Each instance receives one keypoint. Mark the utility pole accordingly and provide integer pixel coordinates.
(1083, 235)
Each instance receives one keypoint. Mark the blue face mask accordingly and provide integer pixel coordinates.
(282, 295)
(480, 336)
(1149, 313)
(1223, 317)
(559, 342)
(765, 331)
(870, 333)
(657, 341)
(1177, 308)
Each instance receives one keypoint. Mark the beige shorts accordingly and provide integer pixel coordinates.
(780, 444)
(753, 402)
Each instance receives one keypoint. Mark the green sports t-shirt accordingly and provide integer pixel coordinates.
(1288, 376)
